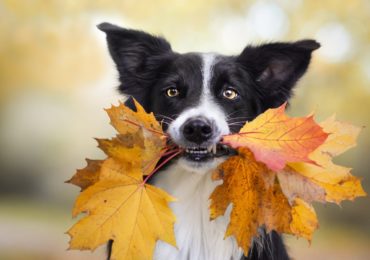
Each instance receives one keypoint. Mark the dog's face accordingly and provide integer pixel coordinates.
(201, 97)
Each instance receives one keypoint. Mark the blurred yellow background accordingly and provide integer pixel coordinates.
(56, 77)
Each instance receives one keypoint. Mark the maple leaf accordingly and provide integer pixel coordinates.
(87, 176)
(141, 141)
(336, 180)
(281, 199)
(256, 200)
(295, 185)
(283, 165)
(120, 206)
(304, 219)
(276, 139)
(125, 120)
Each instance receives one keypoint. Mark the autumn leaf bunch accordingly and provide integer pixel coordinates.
(283, 165)
(120, 205)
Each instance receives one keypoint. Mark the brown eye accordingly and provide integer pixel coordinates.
(230, 94)
(172, 92)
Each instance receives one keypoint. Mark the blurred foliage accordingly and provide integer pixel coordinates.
(56, 76)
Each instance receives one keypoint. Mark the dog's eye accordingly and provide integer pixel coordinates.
(172, 92)
(230, 94)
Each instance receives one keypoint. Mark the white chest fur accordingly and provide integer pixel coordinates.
(197, 237)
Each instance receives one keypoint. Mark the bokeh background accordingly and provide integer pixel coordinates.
(56, 77)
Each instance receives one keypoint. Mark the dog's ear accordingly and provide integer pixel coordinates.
(276, 67)
(137, 55)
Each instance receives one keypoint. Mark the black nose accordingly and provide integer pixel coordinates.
(197, 130)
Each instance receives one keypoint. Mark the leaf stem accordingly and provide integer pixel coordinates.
(174, 154)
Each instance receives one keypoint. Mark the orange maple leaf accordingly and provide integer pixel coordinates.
(281, 200)
(276, 139)
(257, 201)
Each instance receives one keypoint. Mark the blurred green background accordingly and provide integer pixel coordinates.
(56, 77)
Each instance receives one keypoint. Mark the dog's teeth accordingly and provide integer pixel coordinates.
(214, 149)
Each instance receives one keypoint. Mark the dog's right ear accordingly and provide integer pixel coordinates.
(137, 56)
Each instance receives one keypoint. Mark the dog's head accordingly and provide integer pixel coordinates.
(201, 97)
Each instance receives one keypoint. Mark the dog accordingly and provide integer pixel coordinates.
(200, 97)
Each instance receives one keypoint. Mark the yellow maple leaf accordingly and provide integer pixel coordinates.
(151, 137)
(125, 120)
(304, 219)
(122, 208)
(87, 176)
(134, 148)
(336, 180)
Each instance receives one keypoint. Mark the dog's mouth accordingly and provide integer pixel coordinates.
(202, 154)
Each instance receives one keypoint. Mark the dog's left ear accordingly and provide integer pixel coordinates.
(276, 67)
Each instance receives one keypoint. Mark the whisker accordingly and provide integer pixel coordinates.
(166, 117)
(240, 124)
(243, 119)
(236, 111)
(239, 117)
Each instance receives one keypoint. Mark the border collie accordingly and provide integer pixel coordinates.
(200, 97)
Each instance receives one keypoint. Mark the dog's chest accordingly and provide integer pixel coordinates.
(196, 236)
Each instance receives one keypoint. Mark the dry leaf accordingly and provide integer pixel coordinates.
(122, 208)
(304, 219)
(336, 180)
(255, 202)
(276, 139)
(283, 165)
(87, 176)
(295, 185)
(125, 120)
(281, 200)
(119, 205)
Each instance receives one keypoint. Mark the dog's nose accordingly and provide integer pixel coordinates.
(197, 130)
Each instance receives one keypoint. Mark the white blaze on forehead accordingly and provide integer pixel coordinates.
(207, 107)
(207, 66)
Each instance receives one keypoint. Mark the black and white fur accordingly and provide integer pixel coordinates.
(191, 93)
